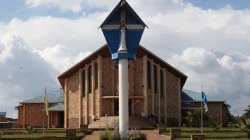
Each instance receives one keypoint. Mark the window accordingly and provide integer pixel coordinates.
(161, 82)
(90, 79)
(83, 83)
(96, 74)
(155, 80)
(117, 65)
(148, 74)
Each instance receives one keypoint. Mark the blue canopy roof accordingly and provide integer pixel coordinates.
(131, 16)
(54, 97)
(187, 95)
(2, 113)
(59, 106)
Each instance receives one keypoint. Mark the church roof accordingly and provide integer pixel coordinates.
(2, 113)
(105, 53)
(59, 106)
(188, 106)
(54, 97)
(188, 95)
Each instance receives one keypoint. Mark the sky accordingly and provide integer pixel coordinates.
(208, 40)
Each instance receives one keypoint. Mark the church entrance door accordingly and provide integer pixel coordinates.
(61, 119)
(117, 107)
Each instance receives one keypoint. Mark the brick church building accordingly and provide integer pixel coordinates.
(91, 88)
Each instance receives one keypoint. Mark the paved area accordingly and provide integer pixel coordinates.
(113, 121)
(151, 135)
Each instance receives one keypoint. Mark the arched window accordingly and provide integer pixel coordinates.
(148, 74)
(90, 79)
(161, 82)
(96, 74)
(83, 83)
(155, 79)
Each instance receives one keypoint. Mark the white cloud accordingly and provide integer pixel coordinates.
(64, 5)
(60, 59)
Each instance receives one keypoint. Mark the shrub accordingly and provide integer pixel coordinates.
(1, 133)
(215, 126)
(30, 129)
(233, 125)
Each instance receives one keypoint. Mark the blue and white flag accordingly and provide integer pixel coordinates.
(205, 102)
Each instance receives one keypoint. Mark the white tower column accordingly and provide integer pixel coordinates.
(123, 97)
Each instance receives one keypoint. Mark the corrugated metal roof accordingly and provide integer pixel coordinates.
(188, 106)
(2, 113)
(187, 95)
(59, 106)
(54, 97)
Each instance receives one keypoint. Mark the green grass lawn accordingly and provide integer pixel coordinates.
(213, 139)
(40, 134)
(199, 129)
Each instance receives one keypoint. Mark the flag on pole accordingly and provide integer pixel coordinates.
(205, 102)
(46, 102)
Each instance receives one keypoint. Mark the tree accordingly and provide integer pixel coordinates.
(194, 116)
(247, 114)
(245, 126)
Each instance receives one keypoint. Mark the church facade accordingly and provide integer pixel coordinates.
(90, 89)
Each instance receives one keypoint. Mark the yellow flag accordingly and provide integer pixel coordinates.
(46, 102)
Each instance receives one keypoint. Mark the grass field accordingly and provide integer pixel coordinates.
(208, 132)
(39, 134)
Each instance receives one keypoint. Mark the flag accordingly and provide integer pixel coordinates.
(46, 102)
(205, 102)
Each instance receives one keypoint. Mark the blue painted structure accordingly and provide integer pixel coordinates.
(2, 113)
(132, 36)
(188, 95)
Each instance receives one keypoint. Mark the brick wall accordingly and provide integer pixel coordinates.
(107, 77)
(73, 101)
(138, 77)
(172, 99)
(34, 114)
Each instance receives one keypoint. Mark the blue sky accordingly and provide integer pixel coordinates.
(208, 40)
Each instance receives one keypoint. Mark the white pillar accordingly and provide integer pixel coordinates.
(123, 97)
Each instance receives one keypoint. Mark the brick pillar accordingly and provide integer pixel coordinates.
(197, 137)
(65, 104)
(221, 112)
(93, 87)
(100, 85)
(165, 94)
(145, 85)
(175, 133)
(159, 93)
(23, 115)
(80, 97)
(86, 93)
(152, 85)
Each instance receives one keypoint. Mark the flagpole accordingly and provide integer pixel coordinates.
(43, 114)
(201, 111)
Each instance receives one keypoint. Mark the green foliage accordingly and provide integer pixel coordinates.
(247, 114)
(1, 133)
(245, 126)
(233, 125)
(215, 126)
(194, 116)
(30, 129)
